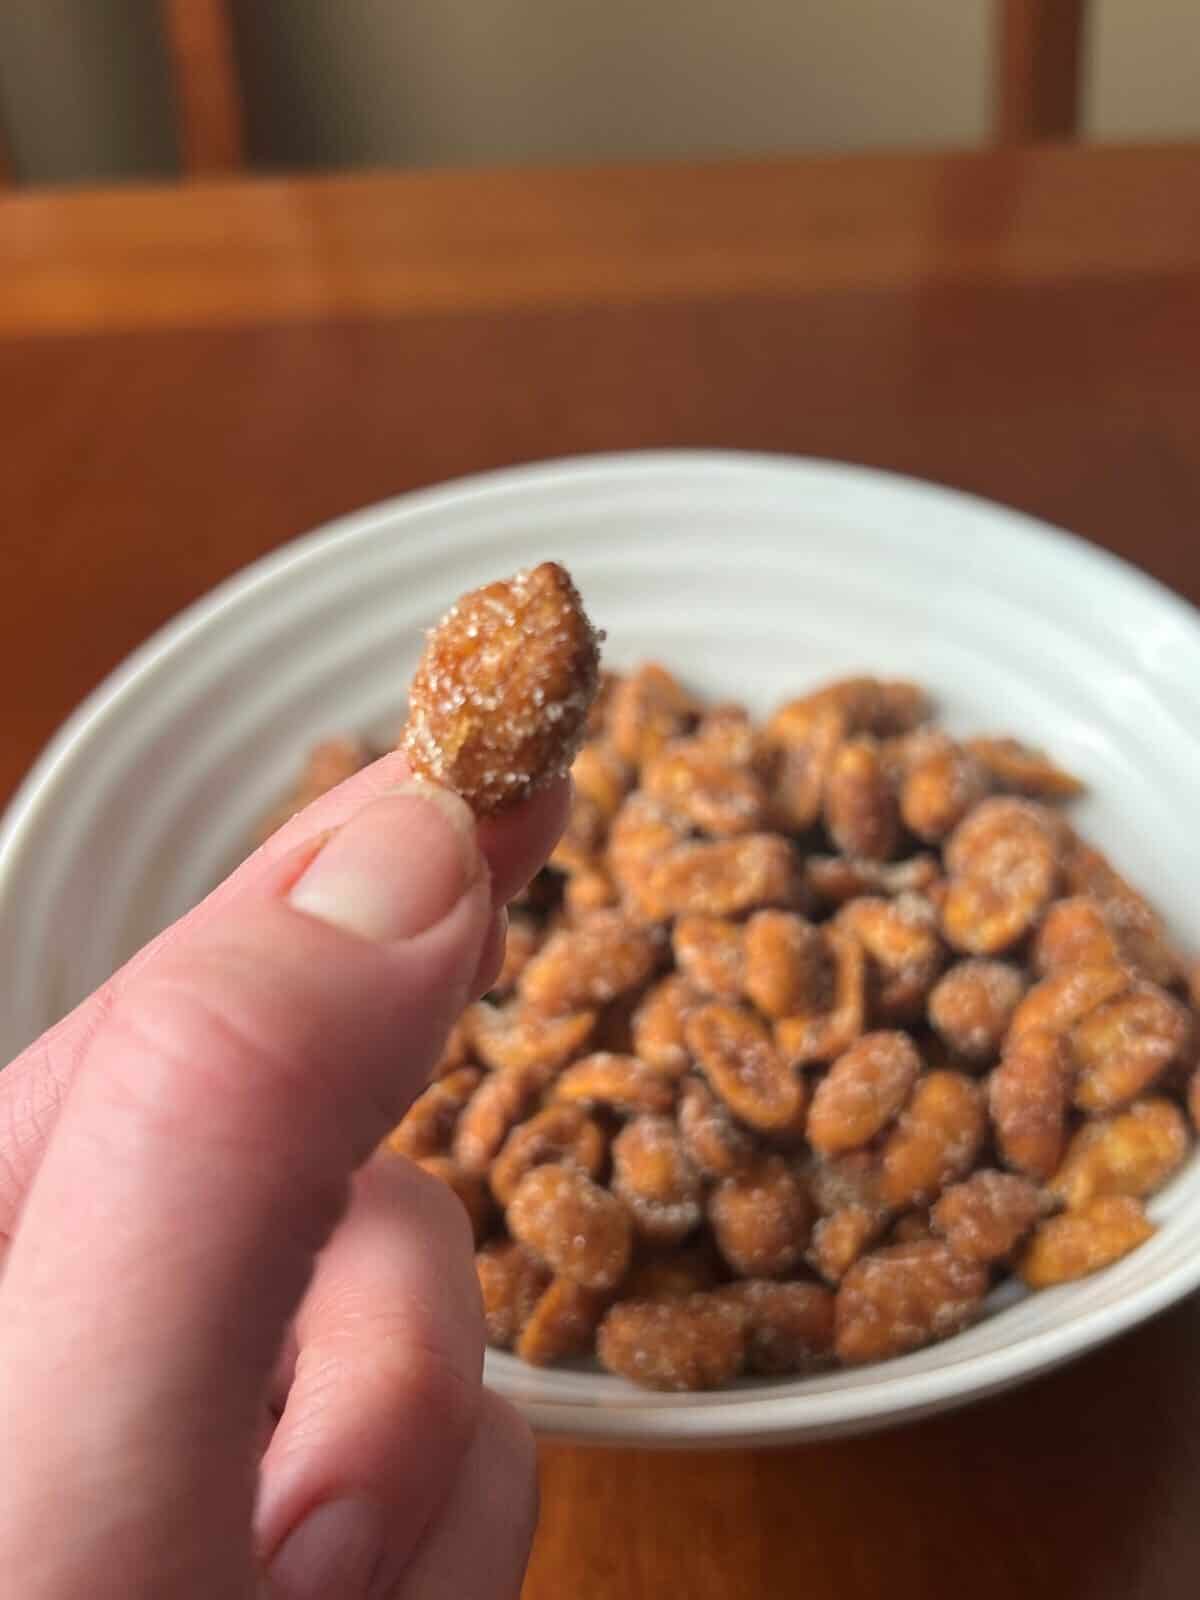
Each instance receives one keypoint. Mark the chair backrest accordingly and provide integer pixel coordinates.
(1038, 70)
(1036, 78)
(198, 35)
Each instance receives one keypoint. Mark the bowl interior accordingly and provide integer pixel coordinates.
(754, 577)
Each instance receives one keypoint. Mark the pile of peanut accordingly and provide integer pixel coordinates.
(810, 1032)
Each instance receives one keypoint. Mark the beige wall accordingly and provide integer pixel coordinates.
(334, 82)
(1144, 78)
(83, 90)
(475, 80)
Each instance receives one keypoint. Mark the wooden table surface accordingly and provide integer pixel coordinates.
(188, 378)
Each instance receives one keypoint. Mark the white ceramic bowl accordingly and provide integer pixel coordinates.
(754, 575)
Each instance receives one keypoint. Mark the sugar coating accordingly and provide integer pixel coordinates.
(563, 1133)
(653, 1174)
(573, 1225)
(1022, 767)
(984, 1218)
(972, 1006)
(692, 1342)
(714, 1141)
(1081, 1242)
(1028, 1098)
(739, 1058)
(623, 1082)
(903, 1297)
(658, 1024)
(717, 1051)
(863, 1090)
(761, 1219)
(789, 1326)
(941, 783)
(936, 1141)
(562, 1323)
(709, 951)
(1123, 1047)
(510, 1282)
(513, 1037)
(501, 695)
(604, 956)
(839, 1239)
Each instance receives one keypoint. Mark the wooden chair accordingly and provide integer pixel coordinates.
(199, 38)
(1038, 70)
(1038, 51)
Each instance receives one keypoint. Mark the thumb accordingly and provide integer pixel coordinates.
(202, 1159)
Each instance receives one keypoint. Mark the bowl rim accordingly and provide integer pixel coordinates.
(765, 1418)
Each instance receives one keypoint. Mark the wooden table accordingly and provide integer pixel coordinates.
(188, 378)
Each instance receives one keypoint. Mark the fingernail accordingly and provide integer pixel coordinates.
(397, 868)
(334, 1554)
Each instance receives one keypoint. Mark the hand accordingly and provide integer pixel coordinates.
(240, 1348)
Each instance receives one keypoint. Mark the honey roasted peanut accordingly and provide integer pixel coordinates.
(511, 1282)
(1076, 933)
(516, 1039)
(562, 1323)
(428, 1125)
(902, 1297)
(712, 1138)
(1019, 769)
(789, 1326)
(862, 1092)
(823, 1035)
(985, 1217)
(673, 1273)
(690, 1342)
(557, 1133)
(501, 695)
(588, 964)
(785, 966)
(714, 796)
(1133, 1153)
(973, 1005)
(860, 807)
(573, 1225)
(839, 1239)
(940, 785)
(646, 711)
(1124, 1046)
(722, 879)
(835, 879)
(657, 1180)
(1080, 1242)
(1005, 865)
(499, 1103)
(936, 1141)
(710, 953)
(834, 997)
(608, 1078)
(738, 1057)
(658, 1025)
(903, 950)
(805, 757)
(1029, 1096)
(761, 1219)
